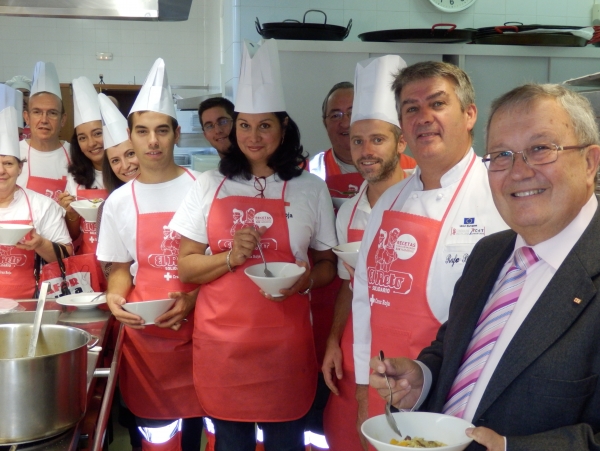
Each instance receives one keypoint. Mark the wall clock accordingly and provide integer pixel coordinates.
(452, 6)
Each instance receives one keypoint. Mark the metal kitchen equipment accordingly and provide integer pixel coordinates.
(435, 34)
(294, 29)
(44, 395)
(519, 34)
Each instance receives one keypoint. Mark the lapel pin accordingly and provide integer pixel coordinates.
(577, 301)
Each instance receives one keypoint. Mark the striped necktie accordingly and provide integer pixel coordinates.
(495, 314)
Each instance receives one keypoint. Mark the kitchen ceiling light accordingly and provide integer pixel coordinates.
(104, 56)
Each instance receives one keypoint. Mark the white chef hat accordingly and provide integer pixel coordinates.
(85, 102)
(155, 94)
(20, 82)
(45, 79)
(373, 95)
(260, 89)
(10, 96)
(9, 131)
(114, 124)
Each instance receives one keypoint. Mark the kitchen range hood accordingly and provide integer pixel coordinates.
(155, 10)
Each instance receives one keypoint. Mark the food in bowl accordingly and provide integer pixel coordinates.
(417, 442)
(443, 428)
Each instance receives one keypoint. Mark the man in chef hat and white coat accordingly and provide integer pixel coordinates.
(156, 371)
(45, 170)
(432, 220)
(377, 145)
(25, 207)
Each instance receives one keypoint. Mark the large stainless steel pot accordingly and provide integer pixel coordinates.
(43, 395)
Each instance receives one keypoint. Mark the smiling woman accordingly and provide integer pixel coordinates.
(85, 171)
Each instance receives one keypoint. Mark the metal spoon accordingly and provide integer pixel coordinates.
(96, 297)
(388, 413)
(37, 322)
(267, 272)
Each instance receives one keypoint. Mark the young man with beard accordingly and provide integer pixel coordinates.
(376, 146)
(441, 211)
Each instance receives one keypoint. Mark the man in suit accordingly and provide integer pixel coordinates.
(536, 386)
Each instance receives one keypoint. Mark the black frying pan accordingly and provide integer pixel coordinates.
(431, 35)
(294, 29)
(511, 35)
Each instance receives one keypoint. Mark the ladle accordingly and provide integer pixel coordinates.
(38, 319)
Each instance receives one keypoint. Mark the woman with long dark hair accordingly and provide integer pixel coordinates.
(85, 171)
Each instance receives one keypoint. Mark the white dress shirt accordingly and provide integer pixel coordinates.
(317, 165)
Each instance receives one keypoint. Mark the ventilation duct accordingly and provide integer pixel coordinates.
(155, 10)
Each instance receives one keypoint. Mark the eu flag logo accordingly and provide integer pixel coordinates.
(469, 221)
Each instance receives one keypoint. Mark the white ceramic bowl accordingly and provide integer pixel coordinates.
(430, 426)
(338, 201)
(11, 234)
(83, 301)
(286, 275)
(149, 310)
(348, 252)
(87, 209)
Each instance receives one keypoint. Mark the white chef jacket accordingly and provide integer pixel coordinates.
(317, 165)
(472, 216)
(359, 221)
(48, 217)
(73, 186)
(50, 165)
(310, 216)
(117, 240)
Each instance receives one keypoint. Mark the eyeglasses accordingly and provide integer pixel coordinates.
(260, 184)
(537, 154)
(221, 123)
(50, 114)
(338, 116)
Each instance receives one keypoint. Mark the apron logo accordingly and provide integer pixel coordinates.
(391, 247)
(353, 188)
(251, 219)
(89, 227)
(170, 251)
(374, 300)
(405, 246)
(10, 260)
(266, 244)
(53, 194)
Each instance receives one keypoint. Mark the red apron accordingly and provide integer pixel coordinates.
(339, 418)
(338, 182)
(48, 187)
(398, 264)
(156, 371)
(254, 359)
(89, 240)
(17, 265)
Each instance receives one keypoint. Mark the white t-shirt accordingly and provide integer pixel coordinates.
(48, 217)
(309, 214)
(49, 165)
(359, 221)
(117, 240)
(73, 186)
(472, 216)
(317, 165)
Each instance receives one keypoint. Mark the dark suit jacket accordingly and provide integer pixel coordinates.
(545, 392)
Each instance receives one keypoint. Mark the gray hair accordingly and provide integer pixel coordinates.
(433, 69)
(577, 107)
(337, 86)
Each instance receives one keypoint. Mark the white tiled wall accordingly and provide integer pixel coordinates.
(72, 45)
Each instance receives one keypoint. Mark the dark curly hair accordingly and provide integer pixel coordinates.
(288, 161)
(81, 167)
